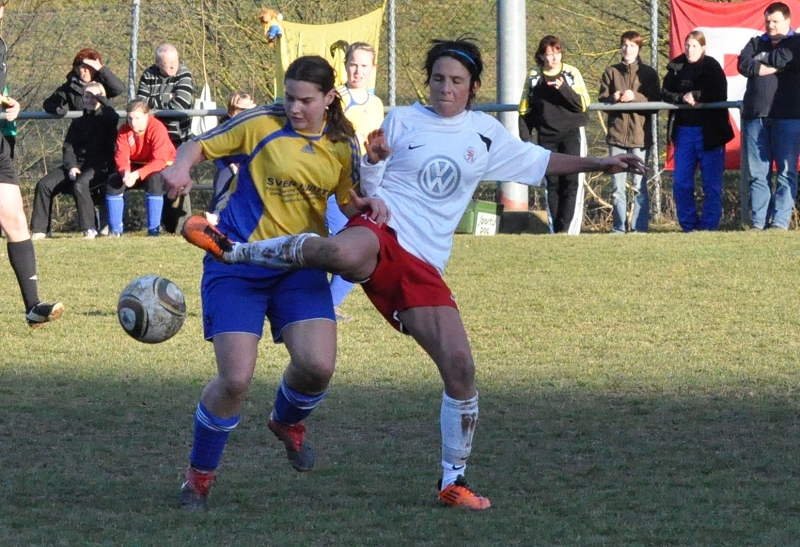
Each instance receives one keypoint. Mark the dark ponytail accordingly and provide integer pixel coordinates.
(339, 127)
(318, 71)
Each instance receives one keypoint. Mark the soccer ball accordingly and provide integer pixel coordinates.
(151, 309)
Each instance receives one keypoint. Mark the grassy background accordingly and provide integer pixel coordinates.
(635, 390)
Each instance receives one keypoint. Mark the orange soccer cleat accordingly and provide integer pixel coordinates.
(297, 449)
(200, 232)
(195, 490)
(459, 494)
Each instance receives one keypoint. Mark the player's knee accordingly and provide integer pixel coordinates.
(458, 371)
(236, 387)
(315, 373)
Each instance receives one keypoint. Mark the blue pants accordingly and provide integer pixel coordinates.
(769, 140)
(689, 152)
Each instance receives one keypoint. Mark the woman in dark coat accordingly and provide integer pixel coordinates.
(698, 135)
(86, 67)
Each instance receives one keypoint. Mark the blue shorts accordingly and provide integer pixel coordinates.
(237, 298)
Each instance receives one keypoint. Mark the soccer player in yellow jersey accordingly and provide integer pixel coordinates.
(365, 112)
(292, 157)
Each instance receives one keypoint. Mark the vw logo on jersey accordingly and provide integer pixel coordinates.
(439, 177)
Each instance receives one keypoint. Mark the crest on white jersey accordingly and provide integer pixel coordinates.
(469, 155)
(439, 177)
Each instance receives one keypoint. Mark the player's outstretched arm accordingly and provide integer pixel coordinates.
(564, 164)
(177, 181)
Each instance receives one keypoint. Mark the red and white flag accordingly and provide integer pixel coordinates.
(727, 27)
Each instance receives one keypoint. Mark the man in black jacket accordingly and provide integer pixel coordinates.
(771, 118)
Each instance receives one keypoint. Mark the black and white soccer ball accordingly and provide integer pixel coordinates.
(151, 309)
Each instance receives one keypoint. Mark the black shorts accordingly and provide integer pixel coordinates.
(8, 175)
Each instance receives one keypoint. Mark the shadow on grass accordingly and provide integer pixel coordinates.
(92, 462)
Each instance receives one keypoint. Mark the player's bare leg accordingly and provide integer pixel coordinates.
(23, 258)
(440, 332)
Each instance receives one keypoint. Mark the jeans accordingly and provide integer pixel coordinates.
(769, 140)
(689, 152)
(640, 218)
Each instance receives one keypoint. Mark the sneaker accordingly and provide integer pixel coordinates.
(43, 313)
(298, 451)
(104, 231)
(195, 490)
(200, 232)
(154, 232)
(35, 236)
(114, 234)
(90, 234)
(459, 494)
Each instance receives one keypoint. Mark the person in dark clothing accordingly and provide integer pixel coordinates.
(698, 135)
(21, 253)
(88, 160)
(86, 67)
(554, 102)
(169, 85)
(771, 118)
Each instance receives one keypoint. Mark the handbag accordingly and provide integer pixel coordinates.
(201, 124)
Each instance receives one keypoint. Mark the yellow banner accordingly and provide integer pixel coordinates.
(328, 41)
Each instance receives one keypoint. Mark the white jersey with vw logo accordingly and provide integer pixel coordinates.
(435, 165)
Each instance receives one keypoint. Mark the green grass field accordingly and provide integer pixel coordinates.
(636, 390)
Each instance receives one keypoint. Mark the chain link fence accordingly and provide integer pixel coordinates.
(222, 43)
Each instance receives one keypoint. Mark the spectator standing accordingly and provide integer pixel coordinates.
(554, 102)
(169, 85)
(13, 221)
(143, 150)
(87, 66)
(771, 118)
(88, 154)
(365, 112)
(630, 81)
(698, 135)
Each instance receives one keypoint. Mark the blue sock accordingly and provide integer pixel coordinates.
(115, 206)
(210, 435)
(155, 204)
(292, 407)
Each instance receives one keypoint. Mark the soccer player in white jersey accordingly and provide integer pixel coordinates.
(425, 165)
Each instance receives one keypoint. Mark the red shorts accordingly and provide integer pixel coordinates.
(401, 280)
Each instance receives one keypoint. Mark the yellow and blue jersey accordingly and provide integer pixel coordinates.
(284, 178)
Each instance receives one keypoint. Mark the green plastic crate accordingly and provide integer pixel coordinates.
(482, 218)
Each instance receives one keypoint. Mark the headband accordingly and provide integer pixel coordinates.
(459, 52)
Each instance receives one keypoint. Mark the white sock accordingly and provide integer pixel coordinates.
(458, 421)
